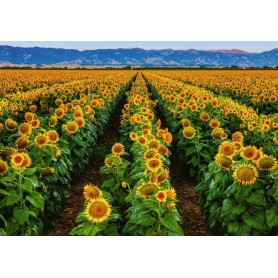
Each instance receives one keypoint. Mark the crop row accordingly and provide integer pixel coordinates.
(136, 198)
(237, 180)
(40, 149)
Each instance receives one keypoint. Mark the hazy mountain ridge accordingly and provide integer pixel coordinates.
(137, 56)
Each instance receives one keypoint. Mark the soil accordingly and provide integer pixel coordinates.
(75, 201)
(194, 223)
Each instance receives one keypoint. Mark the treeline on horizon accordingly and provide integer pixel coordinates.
(139, 68)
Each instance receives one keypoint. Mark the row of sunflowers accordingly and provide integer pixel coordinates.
(47, 137)
(236, 166)
(16, 81)
(136, 197)
(256, 88)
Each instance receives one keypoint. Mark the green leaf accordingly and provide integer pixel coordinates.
(238, 229)
(13, 199)
(36, 200)
(272, 216)
(170, 223)
(28, 185)
(256, 221)
(144, 219)
(22, 216)
(4, 192)
(29, 171)
(257, 198)
(8, 178)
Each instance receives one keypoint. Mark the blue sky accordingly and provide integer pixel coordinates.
(211, 45)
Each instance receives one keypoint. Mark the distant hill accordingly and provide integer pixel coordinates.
(136, 57)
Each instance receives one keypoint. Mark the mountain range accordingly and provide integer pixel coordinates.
(136, 57)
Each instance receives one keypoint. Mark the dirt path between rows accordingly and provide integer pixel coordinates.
(194, 223)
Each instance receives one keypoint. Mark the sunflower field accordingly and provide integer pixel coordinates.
(97, 152)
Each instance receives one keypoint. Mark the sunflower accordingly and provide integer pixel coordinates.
(163, 176)
(266, 163)
(53, 136)
(3, 167)
(41, 140)
(11, 124)
(80, 121)
(223, 161)
(47, 171)
(249, 153)
(153, 177)
(59, 113)
(17, 160)
(227, 148)
(161, 196)
(238, 146)
(245, 174)
(118, 149)
(147, 189)
(57, 151)
(98, 210)
(133, 136)
(35, 123)
(22, 143)
(171, 193)
(238, 137)
(154, 164)
(29, 116)
(217, 133)
(71, 127)
(189, 132)
(185, 122)
(163, 150)
(204, 116)
(52, 121)
(214, 123)
(91, 192)
(25, 129)
(168, 138)
(142, 140)
(152, 153)
(154, 144)
(26, 162)
(112, 161)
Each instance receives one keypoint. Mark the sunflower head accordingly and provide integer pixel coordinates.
(98, 210)
(3, 167)
(154, 164)
(154, 144)
(227, 148)
(133, 136)
(112, 161)
(151, 153)
(22, 143)
(249, 153)
(91, 192)
(71, 127)
(118, 149)
(147, 189)
(238, 137)
(161, 196)
(17, 160)
(41, 140)
(223, 161)
(25, 129)
(171, 193)
(53, 136)
(214, 123)
(266, 163)
(245, 174)
(162, 177)
(189, 132)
